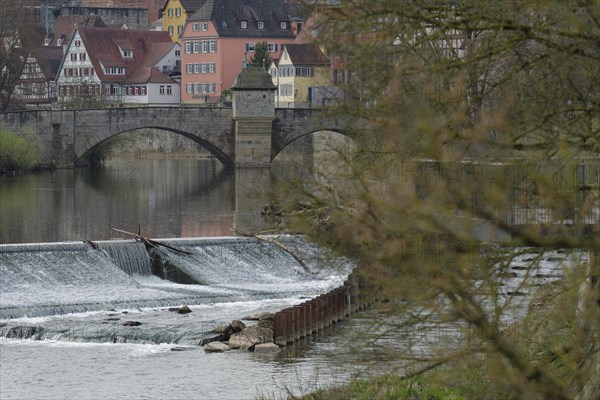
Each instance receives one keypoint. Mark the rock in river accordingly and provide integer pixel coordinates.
(249, 337)
(216, 347)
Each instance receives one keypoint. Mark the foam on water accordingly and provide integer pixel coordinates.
(46, 279)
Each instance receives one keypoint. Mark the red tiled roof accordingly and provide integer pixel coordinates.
(145, 72)
(148, 48)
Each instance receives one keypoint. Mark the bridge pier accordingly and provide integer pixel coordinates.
(253, 113)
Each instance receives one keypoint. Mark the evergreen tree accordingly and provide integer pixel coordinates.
(261, 57)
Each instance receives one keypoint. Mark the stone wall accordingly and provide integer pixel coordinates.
(134, 18)
(154, 142)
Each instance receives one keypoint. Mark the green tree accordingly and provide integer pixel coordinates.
(475, 121)
(261, 57)
(19, 152)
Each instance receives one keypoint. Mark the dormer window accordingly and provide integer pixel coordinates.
(195, 27)
(114, 71)
(244, 24)
(127, 54)
(283, 25)
(261, 25)
(204, 26)
(47, 41)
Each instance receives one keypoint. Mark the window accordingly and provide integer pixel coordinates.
(204, 68)
(78, 43)
(169, 90)
(204, 26)
(283, 25)
(244, 24)
(250, 47)
(189, 88)
(304, 71)
(196, 47)
(211, 88)
(204, 88)
(272, 47)
(179, 29)
(189, 68)
(196, 88)
(126, 54)
(205, 46)
(114, 71)
(170, 29)
(144, 91)
(136, 90)
(73, 57)
(213, 46)
(188, 47)
(261, 25)
(274, 72)
(170, 12)
(195, 27)
(286, 90)
(196, 68)
(161, 89)
(177, 53)
(178, 11)
(83, 56)
(211, 68)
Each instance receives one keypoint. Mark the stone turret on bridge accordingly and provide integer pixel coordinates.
(253, 113)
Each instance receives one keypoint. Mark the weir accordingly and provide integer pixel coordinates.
(58, 278)
(129, 255)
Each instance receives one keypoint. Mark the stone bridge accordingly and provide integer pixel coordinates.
(68, 135)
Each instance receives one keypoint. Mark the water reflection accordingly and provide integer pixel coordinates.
(164, 197)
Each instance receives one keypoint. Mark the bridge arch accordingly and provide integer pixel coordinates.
(211, 147)
(276, 150)
(212, 128)
(294, 123)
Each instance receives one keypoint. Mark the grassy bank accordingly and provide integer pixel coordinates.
(545, 337)
(19, 153)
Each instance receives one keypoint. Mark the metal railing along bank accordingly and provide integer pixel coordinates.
(312, 316)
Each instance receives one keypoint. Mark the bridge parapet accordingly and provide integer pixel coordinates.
(67, 135)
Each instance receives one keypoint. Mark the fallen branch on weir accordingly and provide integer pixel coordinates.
(276, 243)
(150, 242)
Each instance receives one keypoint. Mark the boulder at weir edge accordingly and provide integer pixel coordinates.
(216, 347)
(249, 337)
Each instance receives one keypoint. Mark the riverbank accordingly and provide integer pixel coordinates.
(544, 337)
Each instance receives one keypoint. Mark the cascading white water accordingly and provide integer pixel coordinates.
(58, 278)
(47, 279)
(129, 255)
(251, 264)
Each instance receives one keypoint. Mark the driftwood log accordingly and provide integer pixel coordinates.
(152, 243)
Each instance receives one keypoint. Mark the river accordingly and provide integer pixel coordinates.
(162, 197)
(62, 305)
(74, 298)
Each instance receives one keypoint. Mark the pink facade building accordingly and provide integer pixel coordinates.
(222, 34)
